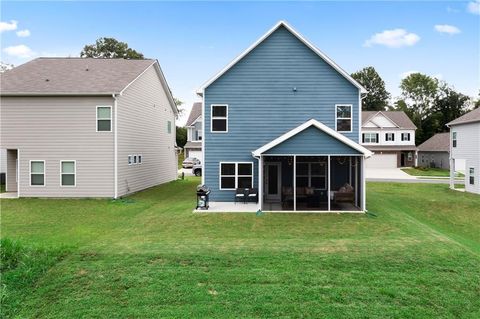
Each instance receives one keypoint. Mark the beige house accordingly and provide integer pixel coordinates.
(77, 127)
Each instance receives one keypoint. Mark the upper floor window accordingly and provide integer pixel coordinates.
(169, 127)
(219, 118)
(343, 117)
(389, 137)
(370, 137)
(198, 135)
(471, 175)
(104, 118)
(454, 139)
(236, 175)
(68, 172)
(37, 173)
(405, 136)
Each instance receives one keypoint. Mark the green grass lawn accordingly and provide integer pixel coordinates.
(425, 171)
(415, 255)
(2, 188)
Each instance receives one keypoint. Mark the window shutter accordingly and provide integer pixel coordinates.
(363, 138)
(393, 137)
(377, 138)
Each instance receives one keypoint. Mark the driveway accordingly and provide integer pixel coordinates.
(387, 174)
(187, 171)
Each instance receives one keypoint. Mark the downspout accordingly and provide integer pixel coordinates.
(259, 180)
(115, 148)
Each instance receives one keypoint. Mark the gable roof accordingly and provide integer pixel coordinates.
(439, 142)
(472, 116)
(77, 76)
(312, 122)
(399, 118)
(195, 113)
(299, 37)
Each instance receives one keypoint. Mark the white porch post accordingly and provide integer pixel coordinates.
(357, 162)
(364, 185)
(294, 182)
(329, 183)
(260, 182)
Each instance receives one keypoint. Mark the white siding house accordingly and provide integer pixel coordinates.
(391, 136)
(465, 145)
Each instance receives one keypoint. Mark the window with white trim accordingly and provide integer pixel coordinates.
(130, 159)
(236, 175)
(219, 118)
(37, 173)
(343, 117)
(471, 175)
(389, 137)
(134, 159)
(370, 137)
(454, 139)
(169, 127)
(68, 173)
(405, 136)
(312, 174)
(140, 159)
(104, 118)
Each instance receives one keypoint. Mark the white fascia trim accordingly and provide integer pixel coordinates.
(342, 138)
(302, 39)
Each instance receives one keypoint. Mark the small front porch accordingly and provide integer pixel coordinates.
(314, 183)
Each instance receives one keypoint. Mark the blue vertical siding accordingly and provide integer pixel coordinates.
(262, 104)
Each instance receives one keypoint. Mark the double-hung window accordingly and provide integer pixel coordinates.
(169, 127)
(389, 137)
(405, 136)
(312, 174)
(343, 117)
(370, 137)
(236, 175)
(454, 139)
(471, 175)
(68, 171)
(104, 118)
(37, 173)
(219, 118)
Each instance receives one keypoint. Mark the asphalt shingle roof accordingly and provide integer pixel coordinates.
(72, 76)
(398, 117)
(194, 113)
(440, 142)
(472, 116)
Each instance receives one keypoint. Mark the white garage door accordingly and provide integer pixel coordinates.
(382, 161)
(197, 154)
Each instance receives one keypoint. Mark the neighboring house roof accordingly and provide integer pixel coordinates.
(195, 113)
(318, 125)
(77, 76)
(472, 116)
(191, 144)
(299, 37)
(439, 142)
(397, 117)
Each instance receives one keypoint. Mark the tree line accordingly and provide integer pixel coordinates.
(430, 103)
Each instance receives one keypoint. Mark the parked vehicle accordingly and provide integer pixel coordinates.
(189, 162)
(197, 169)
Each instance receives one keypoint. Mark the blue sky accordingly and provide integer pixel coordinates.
(194, 40)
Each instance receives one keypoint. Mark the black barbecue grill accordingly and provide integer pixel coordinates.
(203, 193)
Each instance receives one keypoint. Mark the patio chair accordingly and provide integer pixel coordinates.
(241, 194)
(253, 194)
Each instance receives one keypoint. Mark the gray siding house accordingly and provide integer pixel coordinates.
(87, 127)
(465, 145)
(193, 147)
(435, 152)
(283, 120)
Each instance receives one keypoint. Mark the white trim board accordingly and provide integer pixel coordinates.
(321, 127)
(299, 37)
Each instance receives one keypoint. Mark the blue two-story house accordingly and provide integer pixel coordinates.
(284, 119)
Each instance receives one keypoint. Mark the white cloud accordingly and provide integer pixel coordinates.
(8, 26)
(19, 51)
(395, 38)
(23, 33)
(446, 28)
(474, 7)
